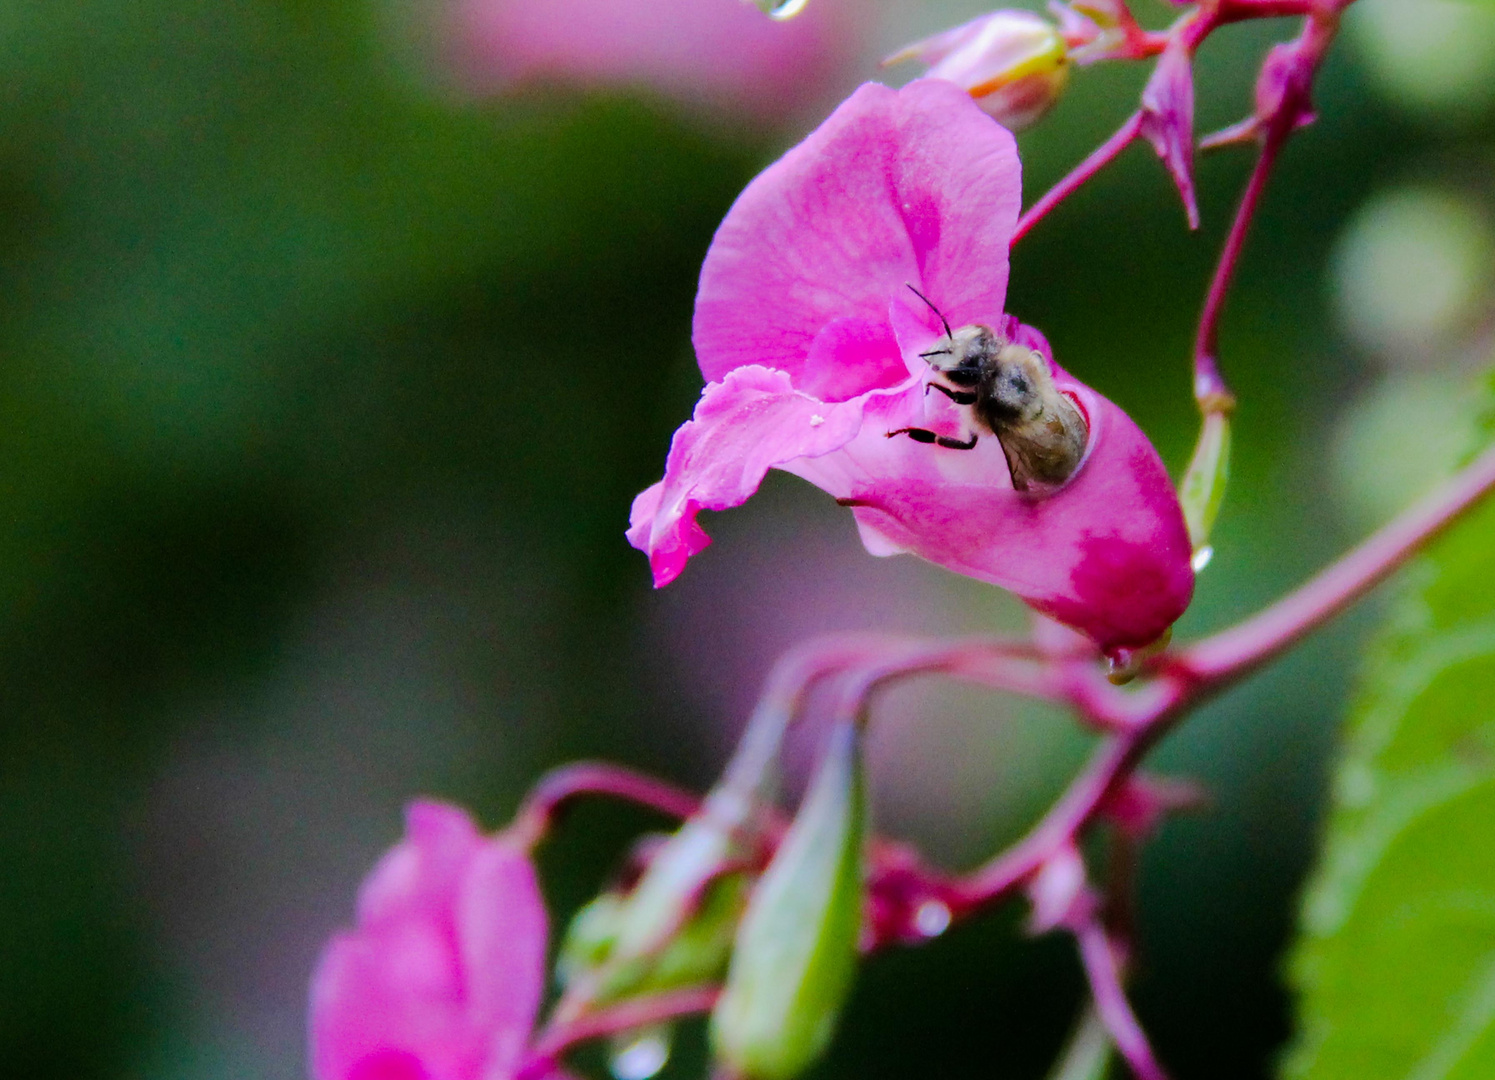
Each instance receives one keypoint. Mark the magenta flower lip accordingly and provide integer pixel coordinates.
(809, 335)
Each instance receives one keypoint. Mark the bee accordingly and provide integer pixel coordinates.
(1012, 394)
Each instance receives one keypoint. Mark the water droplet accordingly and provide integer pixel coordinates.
(783, 9)
(640, 1054)
(1202, 558)
(932, 918)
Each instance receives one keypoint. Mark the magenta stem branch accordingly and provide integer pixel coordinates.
(1102, 156)
(1210, 389)
(1080, 804)
(628, 1015)
(1291, 109)
(1104, 972)
(1207, 667)
(562, 786)
(1232, 653)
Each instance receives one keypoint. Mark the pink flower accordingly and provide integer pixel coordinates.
(810, 335)
(443, 976)
(725, 51)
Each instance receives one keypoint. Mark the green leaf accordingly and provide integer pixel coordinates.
(1395, 967)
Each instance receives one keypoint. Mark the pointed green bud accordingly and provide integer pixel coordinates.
(1087, 1056)
(796, 950)
(678, 879)
(665, 901)
(589, 939)
(695, 955)
(1203, 486)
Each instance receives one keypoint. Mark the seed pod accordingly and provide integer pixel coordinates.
(795, 953)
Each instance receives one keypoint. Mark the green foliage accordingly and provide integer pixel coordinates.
(1396, 966)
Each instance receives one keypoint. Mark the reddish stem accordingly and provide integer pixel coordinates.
(1227, 656)
(564, 785)
(1210, 389)
(1229, 11)
(1102, 156)
(1209, 666)
(1289, 112)
(1081, 802)
(1104, 972)
(557, 1039)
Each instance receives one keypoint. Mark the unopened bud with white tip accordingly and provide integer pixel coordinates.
(1014, 63)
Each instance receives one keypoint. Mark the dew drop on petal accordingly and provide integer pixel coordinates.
(1202, 558)
(640, 1055)
(816, 420)
(932, 918)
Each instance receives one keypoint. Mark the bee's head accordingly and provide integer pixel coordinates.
(963, 356)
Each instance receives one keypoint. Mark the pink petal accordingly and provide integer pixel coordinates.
(420, 873)
(912, 186)
(373, 1010)
(1168, 121)
(743, 426)
(502, 931)
(849, 357)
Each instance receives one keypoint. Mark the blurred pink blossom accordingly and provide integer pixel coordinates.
(811, 339)
(723, 52)
(443, 976)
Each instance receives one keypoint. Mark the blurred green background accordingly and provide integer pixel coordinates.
(325, 389)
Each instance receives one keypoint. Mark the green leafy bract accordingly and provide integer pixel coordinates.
(1395, 967)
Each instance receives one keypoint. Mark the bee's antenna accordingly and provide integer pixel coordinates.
(943, 321)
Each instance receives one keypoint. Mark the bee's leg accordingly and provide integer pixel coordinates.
(920, 435)
(960, 397)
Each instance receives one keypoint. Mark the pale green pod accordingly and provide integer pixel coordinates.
(796, 950)
(1203, 486)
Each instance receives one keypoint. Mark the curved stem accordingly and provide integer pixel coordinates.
(1218, 660)
(1210, 389)
(562, 786)
(1081, 802)
(556, 1039)
(1102, 156)
(1104, 972)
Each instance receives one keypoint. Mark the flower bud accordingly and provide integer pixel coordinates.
(1203, 486)
(1014, 63)
(796, 950)
(696, 953)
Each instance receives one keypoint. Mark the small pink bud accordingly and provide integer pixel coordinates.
(1168, 120)
(1014, 63)
(442, 977)
(1058, 891)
